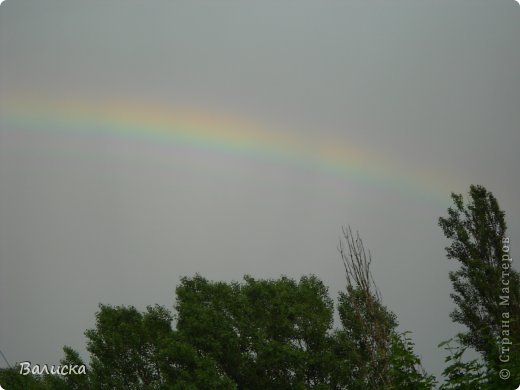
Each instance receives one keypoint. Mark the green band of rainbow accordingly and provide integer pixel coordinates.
(200, 129)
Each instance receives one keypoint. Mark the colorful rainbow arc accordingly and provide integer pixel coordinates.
(223, 134)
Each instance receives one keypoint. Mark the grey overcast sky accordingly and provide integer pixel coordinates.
(426, 92)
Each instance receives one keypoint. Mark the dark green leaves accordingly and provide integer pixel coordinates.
(477, 230)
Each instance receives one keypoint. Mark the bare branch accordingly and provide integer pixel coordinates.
(357, 262)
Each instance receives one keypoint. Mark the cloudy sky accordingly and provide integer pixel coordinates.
(144, 141)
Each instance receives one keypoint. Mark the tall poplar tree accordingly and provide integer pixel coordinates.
(486, 287)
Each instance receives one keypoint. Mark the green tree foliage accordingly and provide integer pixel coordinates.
(485, 286)
(406, 371)
(372, 353)
(134, 350)
(124, 346)
(10, 378)
(460, 374)
(68, 382)
(261, 333)
(254, 334)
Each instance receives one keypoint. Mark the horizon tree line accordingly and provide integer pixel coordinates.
(279, 333)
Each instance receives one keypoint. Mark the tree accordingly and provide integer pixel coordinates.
(134, 350)
(373, 354)
(10, 378)
(486, 288)
(256, 334)
(459, 374)
(261, 333)
(124, 347)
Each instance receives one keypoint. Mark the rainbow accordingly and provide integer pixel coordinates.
(223, 134)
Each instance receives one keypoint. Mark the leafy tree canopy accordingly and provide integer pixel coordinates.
(486, 287)
(256, 334)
